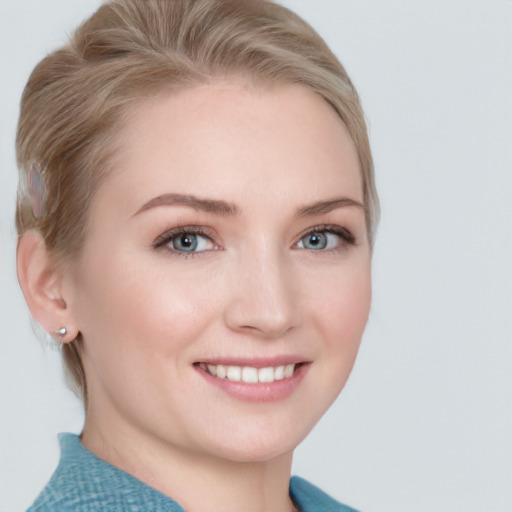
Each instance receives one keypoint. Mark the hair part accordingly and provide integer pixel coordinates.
(76, 99)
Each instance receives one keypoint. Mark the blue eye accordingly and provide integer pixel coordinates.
(190, 242)
(185, 241)
(326, 239)
(314, 241)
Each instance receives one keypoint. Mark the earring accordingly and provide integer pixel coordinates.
(62, 331)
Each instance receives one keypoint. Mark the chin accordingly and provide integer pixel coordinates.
(260, 441)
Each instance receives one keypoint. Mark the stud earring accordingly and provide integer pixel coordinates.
(62, 331)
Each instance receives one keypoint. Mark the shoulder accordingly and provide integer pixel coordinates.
(84, 483)
(310, 498)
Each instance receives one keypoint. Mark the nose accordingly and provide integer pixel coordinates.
(263, 299)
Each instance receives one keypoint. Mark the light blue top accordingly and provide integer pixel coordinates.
(84, 483)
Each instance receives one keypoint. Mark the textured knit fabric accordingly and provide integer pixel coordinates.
(84, 483)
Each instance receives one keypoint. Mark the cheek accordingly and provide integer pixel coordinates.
(338, 303)
(341, 318)
(140, 328)
(344, 303)
(141, 314)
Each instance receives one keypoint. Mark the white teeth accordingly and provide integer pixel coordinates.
(266, 374)
(221, 371)
(279, 373)
(248, 374)
(288, 370)
(234, 373)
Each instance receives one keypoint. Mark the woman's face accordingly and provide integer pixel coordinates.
(224, 285)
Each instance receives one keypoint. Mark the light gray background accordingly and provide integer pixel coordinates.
(425, 422)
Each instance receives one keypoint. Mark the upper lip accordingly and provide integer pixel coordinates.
(254, 362)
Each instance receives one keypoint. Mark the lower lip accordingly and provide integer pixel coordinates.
(258, 392)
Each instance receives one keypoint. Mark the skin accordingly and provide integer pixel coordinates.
(147, 313)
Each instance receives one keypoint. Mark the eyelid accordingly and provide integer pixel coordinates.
(346, 235)
(163, 239)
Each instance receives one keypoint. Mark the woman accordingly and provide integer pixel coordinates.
(196, 217)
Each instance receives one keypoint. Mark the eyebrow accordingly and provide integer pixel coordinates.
(215, 206)
(321, 207)
(224, 208)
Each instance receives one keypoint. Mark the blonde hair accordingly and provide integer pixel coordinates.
(75, 100)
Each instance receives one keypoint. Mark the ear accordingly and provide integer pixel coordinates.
(41, 281)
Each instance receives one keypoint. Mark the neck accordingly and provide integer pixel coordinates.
(198, 482)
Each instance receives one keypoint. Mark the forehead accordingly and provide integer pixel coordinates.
(228, 137)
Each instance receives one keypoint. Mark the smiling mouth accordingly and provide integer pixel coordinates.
(250, 374)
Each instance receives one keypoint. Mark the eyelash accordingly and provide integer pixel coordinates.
(166, 238)
(163, 241)
(346, 237)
